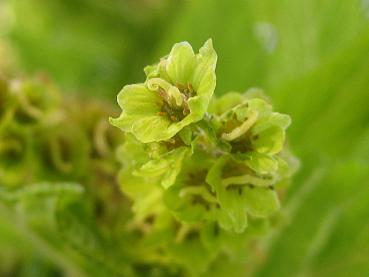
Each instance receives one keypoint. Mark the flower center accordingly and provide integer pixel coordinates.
(175, 98)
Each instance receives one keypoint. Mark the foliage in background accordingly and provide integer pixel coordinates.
(88, 45)
(46, 146)
(312, 58)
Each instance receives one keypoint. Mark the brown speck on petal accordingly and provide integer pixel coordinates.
(174, 118)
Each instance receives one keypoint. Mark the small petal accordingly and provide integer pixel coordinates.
(167, 166)
(281, 120)
(138, 100)
(151, 128)
(147, 196)
(232, 214)
(269, 140)
(261, 202)
(225, 103)
(261, 163)
(203, 78)
(180, 63)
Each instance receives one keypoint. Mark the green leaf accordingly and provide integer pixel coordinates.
(80, 233)
(42, 190)
(323, 235)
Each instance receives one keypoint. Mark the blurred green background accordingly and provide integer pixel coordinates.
(310, 56)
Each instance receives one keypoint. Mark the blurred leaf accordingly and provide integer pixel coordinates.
(265, 43)
(40, 214)
(320, 235)
(88, 44)
(79, 232)
(328, 112)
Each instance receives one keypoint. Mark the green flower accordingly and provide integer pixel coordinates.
(65, 148)
(190, 198)
(252, 126)
(166, 166)
(255, 134)
(176, 93)
(241, 193)
(161, 162)
(144, 191)
(34, 101)
(147, 171)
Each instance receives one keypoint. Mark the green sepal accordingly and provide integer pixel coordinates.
(261, 163)
(145, 193)
(166, 167)
(131, 153)
(186, 135)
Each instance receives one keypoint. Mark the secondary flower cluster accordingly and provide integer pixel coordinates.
(197, 160)
(46, 138)
(25, 107)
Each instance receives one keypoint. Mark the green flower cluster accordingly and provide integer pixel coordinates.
(46, 138)
(27, 105)
(194, 163)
